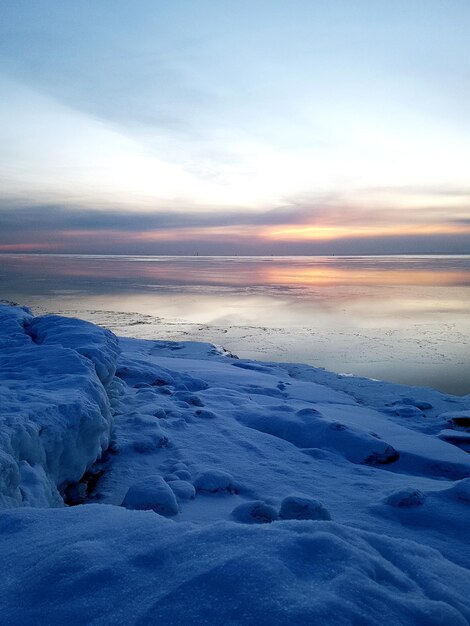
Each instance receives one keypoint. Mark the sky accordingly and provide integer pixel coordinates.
(235, 127)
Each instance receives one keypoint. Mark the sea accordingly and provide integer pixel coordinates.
(404, 319)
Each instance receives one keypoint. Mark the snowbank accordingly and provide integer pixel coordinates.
(98, 345)
(55, 418)
(105, 565)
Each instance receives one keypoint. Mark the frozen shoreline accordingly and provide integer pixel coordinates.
(274, 493)
(369, 353)
(403, 319)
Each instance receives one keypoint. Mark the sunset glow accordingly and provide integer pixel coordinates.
(257, 127)
(319, 232)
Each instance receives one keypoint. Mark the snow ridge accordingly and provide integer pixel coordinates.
(56, 420)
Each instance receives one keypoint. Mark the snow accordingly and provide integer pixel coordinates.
(151, 493)
(182, 489)
(96, 344)
(217, 490)
(406, 498)
(256, 512)
(215, 482)
(106, 565)
(460, 490)
(298, 507)
(56, 418)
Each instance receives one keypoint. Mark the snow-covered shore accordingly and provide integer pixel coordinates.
(217, 490)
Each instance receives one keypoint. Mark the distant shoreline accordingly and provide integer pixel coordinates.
(242, 256)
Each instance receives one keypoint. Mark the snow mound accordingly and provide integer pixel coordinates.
(299, 507)
(406, 498)
(460, 490)
(256, 512)
(204, 414)
(138, 372)
(458, 419)
(182, 474)
(215, 481)
(189, 398)
(97, 344)
(13, 320)
(407, 410)
(151, 493)
(460, 438)
(55, 417)
(308, 428)
(182, 489)
(105, 565)
(145, 434)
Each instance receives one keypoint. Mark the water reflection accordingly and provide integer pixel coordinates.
(242, 271)
(400, 318)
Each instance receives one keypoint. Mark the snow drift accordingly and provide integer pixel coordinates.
(106, 565)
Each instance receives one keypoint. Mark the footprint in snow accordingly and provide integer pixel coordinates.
(204, 413)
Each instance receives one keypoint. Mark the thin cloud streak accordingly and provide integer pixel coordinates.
(327, 210)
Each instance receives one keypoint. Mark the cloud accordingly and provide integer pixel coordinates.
(375, 207)
(318, 225)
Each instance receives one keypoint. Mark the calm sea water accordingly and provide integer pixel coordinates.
(401, 318)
